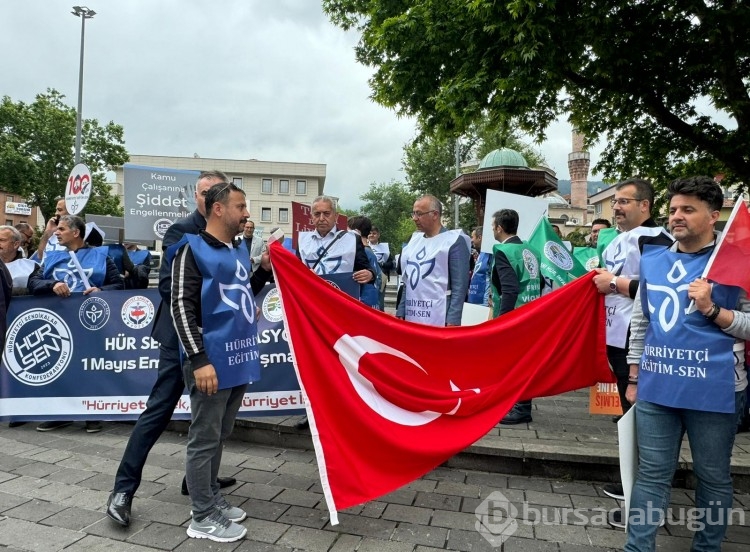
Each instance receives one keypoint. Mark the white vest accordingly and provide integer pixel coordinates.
(382, 251)
(424, 266)
(20, 270)
(622, 257)
(339, 257)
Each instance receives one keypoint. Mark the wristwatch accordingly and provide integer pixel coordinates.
(613, 284)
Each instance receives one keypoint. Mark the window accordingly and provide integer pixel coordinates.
(9, 198)
(283, 214)
(8, 222)
(266, 187)
(302, 187)
(265, 214)
(598, 209)
(283, 186)
(237, 181)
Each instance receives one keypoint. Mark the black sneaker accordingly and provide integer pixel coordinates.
(53, 425)
(94, 427)
(614, 490)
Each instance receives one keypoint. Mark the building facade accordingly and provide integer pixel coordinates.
(16, 210)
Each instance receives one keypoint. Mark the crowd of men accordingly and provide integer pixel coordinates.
(648, 274)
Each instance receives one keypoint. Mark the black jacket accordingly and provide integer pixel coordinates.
(163, 329)
(186, 308)
(6, 283)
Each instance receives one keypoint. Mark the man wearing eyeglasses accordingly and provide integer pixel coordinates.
(169, 384)
(27, 238)
(618, 279)
(434, 268)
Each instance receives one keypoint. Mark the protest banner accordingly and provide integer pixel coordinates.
(91, 357)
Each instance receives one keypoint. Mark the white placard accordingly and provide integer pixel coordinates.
(530, 211)
(78, 189)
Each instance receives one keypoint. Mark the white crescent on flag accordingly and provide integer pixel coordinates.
(351, 349)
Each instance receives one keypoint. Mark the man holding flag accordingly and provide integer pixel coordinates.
(327, 250)
(516, 280)
(686, 371)
(618, 279)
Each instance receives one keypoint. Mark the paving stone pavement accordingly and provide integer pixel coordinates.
(54, 487)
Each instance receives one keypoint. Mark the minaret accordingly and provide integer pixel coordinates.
(578, 166)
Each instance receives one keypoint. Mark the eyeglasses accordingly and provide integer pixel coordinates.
(417, 214)
(318, 214)
(622, 201)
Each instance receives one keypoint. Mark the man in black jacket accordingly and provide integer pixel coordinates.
(57, 277)
(169, 384)
(211, 275)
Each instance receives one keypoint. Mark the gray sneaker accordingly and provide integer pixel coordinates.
(232, 513)
(216, 527)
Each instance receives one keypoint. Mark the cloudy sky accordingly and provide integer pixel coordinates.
(242, 79)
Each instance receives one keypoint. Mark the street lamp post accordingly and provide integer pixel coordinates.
(84, 13)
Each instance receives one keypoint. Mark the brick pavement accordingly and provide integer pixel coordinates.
(564, 440)
(54, 486)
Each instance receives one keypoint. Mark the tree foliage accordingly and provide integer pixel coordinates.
(645, 77)
(430, 161)
(389, 208)
(37, 149)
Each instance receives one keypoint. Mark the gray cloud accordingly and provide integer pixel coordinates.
(271, 80)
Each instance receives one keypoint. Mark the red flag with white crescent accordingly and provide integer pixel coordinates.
(729, 260)
(390, 400)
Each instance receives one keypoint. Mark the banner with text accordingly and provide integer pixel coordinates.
(156, 197)
(92, 357)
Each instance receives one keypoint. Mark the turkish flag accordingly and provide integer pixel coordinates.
(390, 400)
(730, 259)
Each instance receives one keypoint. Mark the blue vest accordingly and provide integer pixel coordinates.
(59, 266)
(115, 251)
(479, 283)
(230, 328)
(369, 294)
(140, 256)
(687, 360)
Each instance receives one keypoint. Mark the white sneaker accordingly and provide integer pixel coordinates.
(216, 527)
(232, 513)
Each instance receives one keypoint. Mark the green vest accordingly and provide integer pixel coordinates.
(525, 262)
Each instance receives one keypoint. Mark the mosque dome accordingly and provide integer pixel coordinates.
(503, 157)
(554, 198)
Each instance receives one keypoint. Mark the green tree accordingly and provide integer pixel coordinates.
(639, 75)
(37, 142)
(430, 161)
(578, 237)
(389, 208)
